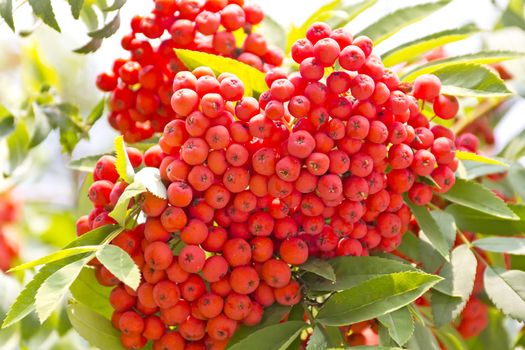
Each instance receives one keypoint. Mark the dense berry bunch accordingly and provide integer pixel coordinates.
(317, 166)
(9, 240)
(140, 85)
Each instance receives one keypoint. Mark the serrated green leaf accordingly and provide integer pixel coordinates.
(275, 337)
(450, 296)
(86, 164)
(317, 340)
(476, 169)
(108, 30)
(55, 288)
(351, 271)
(319, 267)
(97, 330)
(476, 196)
(375, 297)
(17, 145)
(252, 78)
(506, 289)
(475, 221)
(44, 10)
(150, 178)
(400, 325)
(76, 6)
(119, 212)
(450, 338)
(96, 112)
(41, 128)
(508, 245)
(58, 255)
(437, 226)
(421, 251)
(413, 49)
(6, 11)
(422, 339)
(516, 178)
(462, 155)
(117, 4)
(120, 264)
(25, 302)
(7, 122)
(467, 79)
(123, 165)
(392, 23)
(91, 46)
(484, 57)
(92, 294)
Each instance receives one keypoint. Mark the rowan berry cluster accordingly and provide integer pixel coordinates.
(314, 167)
(140, 85)
(9, 240)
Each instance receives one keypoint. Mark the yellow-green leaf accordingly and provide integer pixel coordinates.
(252, 78)
(413, 49)
(124, 167)
(58, 255)
(483, 57)
(462, 155)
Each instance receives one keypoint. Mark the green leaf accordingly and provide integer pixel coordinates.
(76, 6)
(462, 155)
(476, 169)
(43, 10)
(7, 121)
(92, 294)
(400, 325)
(422, 339)
(319, 267)
(474, 195)
(375, 297)
(96, 112)
(150, 178)
(319, 15)
(273, 31)
(117, 4)
(508, 245)
(55, 288)
(273, 315)
(506, 289)
(275, 337)
(450, 296)
(421, 251)
(365, 347)
(413, 49)
(96, 329)
(6, 11)
(25, 302)
(351, 271)
(392, 23)
(41, 128)
(86, 164)
(475, 221)
(119, 213)
(483, 57)
(317, 340)
(437, 226)
(58, 255)
(467, 79)
(17, 145)
(108, 30)
(91, 46)
(123, 165)
(345, 14)
(120, 264)
(252, 78)
(516, 177)
(450, 338)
